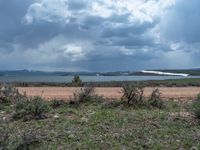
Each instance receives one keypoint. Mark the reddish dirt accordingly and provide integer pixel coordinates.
(179, 93)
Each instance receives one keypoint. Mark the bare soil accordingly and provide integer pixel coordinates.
(179, 93)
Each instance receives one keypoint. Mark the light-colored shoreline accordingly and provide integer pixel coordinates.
(165, 73)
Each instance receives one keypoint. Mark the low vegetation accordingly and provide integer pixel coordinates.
(4, 130)
(133, 95)
(30, 108)
(8, 94)
(28, 140)
(85, 95)
(155, 99)
(196, 107)
(94, 126)
(57, 103)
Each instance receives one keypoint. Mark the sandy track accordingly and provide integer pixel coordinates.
(181, 93)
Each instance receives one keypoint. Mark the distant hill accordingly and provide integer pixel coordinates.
(30, 72)
(23, 72)
(76, 73)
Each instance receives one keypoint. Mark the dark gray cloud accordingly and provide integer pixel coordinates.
(182, 22)
(127, 30)
(99, 35)
(76, 5)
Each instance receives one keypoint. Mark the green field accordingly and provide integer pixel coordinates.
(104, 126)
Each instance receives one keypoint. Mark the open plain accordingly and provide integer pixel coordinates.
(178, 93)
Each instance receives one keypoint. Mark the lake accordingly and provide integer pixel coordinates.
(60, 79)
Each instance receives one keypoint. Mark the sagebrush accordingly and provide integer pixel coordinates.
(196, 107)
(9, 94)
(28, 139)
(133, 94)
(155, 99)
(85, 94)
(4, 135)
(33, 108)
(57, 103)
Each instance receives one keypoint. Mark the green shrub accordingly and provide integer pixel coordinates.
(133, 95)
(21, 103)
(29, 140)
(9, 94)
(85, 94)
(196, 107)
(57, 103)
(76, 81)
(112, 104)
(155, 99)
(37, 107)
(34, 108)
(4, 135)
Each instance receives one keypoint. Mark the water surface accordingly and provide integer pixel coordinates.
(66, 79)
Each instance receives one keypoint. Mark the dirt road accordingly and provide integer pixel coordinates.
(180, 93)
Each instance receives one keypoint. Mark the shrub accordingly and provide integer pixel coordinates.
(37, 107)
(155, 99)
(85, 94)
(4, 135)
(76, 81)
(196, 107)
(112, 104)
(21, 103)
(27, 140)
(133, 95)
(57, 103)
(34, 108)
(9, 94)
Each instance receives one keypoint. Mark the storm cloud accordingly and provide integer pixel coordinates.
(100, 35)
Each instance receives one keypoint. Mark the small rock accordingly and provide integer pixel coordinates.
(193, 148)
(71, 136)
(56, 116)
(92, 113)
(178, 140)
(116, 135)
(83, 119)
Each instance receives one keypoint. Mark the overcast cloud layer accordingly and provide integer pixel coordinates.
(99, 35)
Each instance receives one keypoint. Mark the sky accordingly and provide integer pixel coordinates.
(99, 35)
